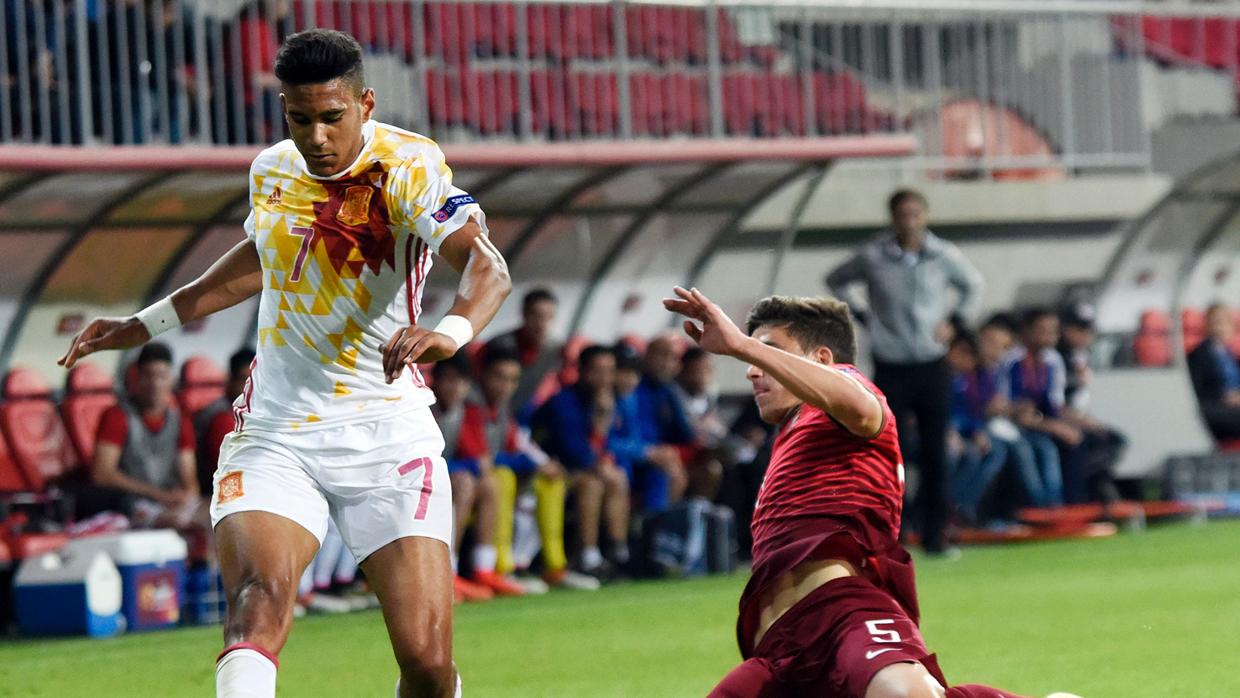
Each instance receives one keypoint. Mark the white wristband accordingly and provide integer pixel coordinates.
(460, 329)
(159, 317)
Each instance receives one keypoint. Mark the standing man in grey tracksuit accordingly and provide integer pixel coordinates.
(907, 271)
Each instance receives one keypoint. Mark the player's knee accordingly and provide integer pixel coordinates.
(426, 661)
(260, 606)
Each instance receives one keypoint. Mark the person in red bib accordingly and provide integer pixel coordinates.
(145, 448)
(831, 606)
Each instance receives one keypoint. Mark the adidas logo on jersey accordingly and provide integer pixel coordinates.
(274, 198)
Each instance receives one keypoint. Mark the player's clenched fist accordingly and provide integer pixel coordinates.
(414, 345)
(105, 333)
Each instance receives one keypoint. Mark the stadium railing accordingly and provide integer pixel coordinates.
(1002, 86)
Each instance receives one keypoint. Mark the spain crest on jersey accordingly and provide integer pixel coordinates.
(355, 208)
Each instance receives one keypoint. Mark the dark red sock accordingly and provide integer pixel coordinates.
(973, 690)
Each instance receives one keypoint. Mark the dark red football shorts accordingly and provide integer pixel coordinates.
(830, 645)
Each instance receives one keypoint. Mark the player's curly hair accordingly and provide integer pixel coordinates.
(813, 322)
(320, 55)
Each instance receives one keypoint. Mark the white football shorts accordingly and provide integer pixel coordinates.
(379, 480)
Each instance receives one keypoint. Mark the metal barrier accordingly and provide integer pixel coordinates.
(994, 88)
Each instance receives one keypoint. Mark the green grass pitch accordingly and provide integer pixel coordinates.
(1152, 614)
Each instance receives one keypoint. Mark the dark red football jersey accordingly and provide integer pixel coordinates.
(818, 468)
(829, 493)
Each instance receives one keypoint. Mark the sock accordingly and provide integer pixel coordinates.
(346, 567)
(306, 584)
(591, 557)
(973, 690)
(549, 508)
(245, 670)
(484, 558)
(506, 504)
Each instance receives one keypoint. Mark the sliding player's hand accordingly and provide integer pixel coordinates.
(105, 333)
(717, 333)
(414, 345)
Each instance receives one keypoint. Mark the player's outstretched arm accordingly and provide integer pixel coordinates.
(233, 278)
(814, 381)
(484, 286)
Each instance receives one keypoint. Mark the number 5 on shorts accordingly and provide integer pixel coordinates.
(880, 635)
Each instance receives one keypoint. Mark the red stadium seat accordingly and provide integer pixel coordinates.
(12, 479)
(1152, 350)
(1154, 322)
(89, 392)
(31, 425)
(202, 383)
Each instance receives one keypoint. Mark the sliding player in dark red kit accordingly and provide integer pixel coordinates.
(831, 607)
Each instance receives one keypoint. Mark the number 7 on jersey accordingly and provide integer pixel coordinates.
(307, 239)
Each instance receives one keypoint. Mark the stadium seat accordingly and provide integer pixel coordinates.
(1193, 327)
(31, 425)
(11, 477)
(89, 392)
(202, 382)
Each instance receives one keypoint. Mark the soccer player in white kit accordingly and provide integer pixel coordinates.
(335, 419)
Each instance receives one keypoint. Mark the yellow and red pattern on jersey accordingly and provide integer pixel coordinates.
(345, 260)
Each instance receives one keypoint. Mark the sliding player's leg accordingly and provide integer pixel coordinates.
(412, 577)
(262, 556)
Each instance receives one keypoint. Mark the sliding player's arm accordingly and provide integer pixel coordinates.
(835, 392)
(233, 278)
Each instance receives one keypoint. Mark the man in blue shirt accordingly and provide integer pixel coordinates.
(575, 427)
(664, 427)
(1216, 375)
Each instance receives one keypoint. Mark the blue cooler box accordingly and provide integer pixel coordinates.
(69, 594)
(152, 570)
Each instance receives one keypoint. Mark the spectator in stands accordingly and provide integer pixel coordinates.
(473, 487)
(216, 420)
(520, 463)
(1103, 445)
(1034, 377)
(575, 427)
(532, 343)
(695, 386)
(907, 273)
(1216, 375)
(145, 449)
(664, 428)
(983, 440)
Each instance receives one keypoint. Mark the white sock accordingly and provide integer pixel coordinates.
(591, 557)
(245, 673)
(485, 557)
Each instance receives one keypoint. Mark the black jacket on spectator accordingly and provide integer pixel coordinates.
(1222, 419)
(1206, 373)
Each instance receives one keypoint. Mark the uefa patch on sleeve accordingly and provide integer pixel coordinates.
(451, 205)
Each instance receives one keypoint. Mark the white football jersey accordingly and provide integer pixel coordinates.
(345, 261)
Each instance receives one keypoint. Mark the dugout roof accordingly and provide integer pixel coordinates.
(609, 226)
